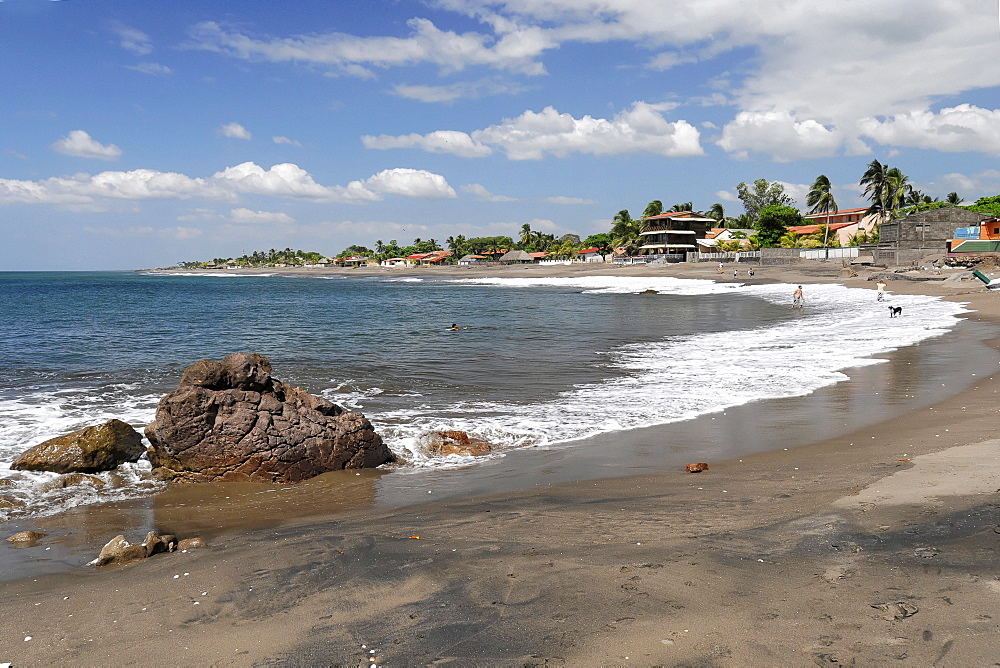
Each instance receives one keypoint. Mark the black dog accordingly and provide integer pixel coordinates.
(895, 310)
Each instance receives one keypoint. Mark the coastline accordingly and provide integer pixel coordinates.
(764, 559)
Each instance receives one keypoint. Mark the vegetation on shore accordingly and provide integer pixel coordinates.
(767, 215)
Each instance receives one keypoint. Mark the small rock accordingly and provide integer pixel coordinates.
(696, 468)
(457, 443)
(119, 551)
(74, 480)
(191, 543)
(155, 544)
(25, 537)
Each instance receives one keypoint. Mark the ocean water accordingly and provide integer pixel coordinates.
(536, 363)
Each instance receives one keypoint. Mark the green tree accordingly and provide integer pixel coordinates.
(601, 241)
(625, 230)
(773, 222)
(763, 194)
(654, 208)
(953, 199)
(820, 198)
(717, 212)
(526, 235)
(684, 206)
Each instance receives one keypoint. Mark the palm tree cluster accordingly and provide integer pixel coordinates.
(271, 257)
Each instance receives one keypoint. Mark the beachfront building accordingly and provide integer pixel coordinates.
(671, 235)
(354, 261)
(983, 238)
(910, 238)
(589, 255)
(516, 257)
(432, 258)
(396, 262)
(845, 222)
(471, 260)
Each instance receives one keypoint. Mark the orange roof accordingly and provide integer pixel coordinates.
(538, 255)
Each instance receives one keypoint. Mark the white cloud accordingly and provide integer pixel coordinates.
(807, 74)
(409, 183)
(532, 136)
(234, 131)
(132, 39)
(485, 195)
(355, 56)
(961, 128)
(727, 196)
(971, 187)
(150, 68)
(780, 134)
(441, 141)
(283, 181)
(80, 144)
(568, 200)
(285, 140)
(246, 216)
(462, 90)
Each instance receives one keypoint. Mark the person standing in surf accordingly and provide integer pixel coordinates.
(797, 298)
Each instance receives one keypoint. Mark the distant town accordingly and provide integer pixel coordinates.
(671, 234)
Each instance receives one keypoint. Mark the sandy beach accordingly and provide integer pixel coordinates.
(872, 542)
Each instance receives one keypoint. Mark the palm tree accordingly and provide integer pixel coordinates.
(526, 234)
(716, 211)
(820, 198)
(874, 183)
(654, 208)
(379, 247)
(686, 206)
(898, 188)
(625, 230)
(953, 199)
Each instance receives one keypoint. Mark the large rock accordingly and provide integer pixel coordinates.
(99, 448)
(230, 421)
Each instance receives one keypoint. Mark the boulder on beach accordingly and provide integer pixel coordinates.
(90, 450)
(121, 552)
(230, 421)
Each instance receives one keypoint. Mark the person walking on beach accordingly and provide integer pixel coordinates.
(880, 286)
(721, 268)
(750, 272)
(736, 273)
(797, 298)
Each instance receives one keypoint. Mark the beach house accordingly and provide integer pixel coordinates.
(671, 235)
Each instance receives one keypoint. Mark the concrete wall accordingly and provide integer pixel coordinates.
(928, 231)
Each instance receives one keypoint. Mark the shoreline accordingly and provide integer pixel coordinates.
(671, 599)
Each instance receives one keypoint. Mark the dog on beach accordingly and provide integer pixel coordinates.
(895, 310)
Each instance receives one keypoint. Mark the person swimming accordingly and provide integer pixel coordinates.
(453, 328)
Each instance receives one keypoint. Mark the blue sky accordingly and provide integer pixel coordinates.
(139, 134)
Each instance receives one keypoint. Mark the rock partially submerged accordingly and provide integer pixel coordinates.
(120, 551)
(230, 421)
(26, 537)
(457, 443)
(90, 450)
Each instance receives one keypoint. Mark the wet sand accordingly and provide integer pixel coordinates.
(773, 557)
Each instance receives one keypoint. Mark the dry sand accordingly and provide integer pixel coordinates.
(876, 547)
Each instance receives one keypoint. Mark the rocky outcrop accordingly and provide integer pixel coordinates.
(230, 421)
(98, 448)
